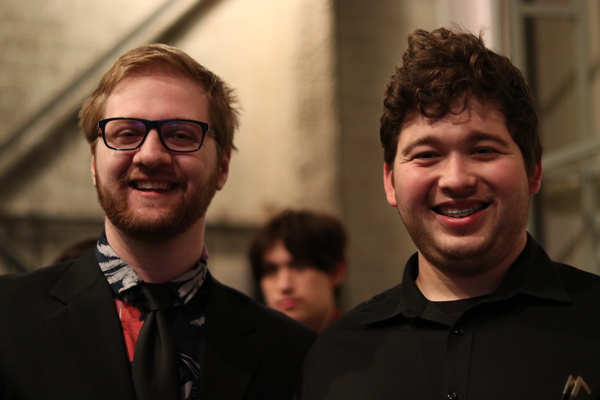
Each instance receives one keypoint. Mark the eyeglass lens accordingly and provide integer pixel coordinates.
(176, 135)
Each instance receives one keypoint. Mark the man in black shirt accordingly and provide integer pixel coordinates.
(482, 312)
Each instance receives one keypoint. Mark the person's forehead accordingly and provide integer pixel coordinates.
(277, 250)
(278, 253)
(176, 95)
(156, 77)
(474, 117)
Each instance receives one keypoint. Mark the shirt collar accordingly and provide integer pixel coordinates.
(122, 277)
(532, 274)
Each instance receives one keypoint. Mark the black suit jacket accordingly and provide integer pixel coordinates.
(60, 338)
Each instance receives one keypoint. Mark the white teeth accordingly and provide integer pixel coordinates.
(145, 185)
(460, 213)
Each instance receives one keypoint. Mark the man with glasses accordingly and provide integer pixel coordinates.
(140, 317)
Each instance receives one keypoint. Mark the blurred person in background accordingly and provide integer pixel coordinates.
(298, 260)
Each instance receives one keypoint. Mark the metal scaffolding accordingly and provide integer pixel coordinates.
(588, 144)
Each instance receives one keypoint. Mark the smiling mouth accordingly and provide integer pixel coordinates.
(146, 186)
(460, 213)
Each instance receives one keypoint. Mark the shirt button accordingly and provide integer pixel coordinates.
(458, 332)
(452, 396)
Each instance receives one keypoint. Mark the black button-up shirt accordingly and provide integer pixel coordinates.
(521, 342)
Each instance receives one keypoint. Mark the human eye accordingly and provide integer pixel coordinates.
(485, 152)
(127, 134)
(425, 157)
(299, 265)
(124, 132)
(181, 134)
(269, 269)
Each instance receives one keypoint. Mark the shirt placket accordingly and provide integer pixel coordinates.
(457, 361)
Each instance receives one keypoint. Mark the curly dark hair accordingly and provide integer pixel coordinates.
(317, 239)
(442, 65)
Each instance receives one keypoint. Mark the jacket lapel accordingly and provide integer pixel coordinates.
(89, 329)
(230, 361)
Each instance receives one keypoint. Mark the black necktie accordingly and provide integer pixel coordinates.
(156, 360)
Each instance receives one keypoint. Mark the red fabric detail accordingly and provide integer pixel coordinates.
(131, 324)
(338, 313)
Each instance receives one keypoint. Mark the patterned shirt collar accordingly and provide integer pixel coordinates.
(122, 277)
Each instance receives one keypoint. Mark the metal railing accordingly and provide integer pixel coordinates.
(587, 145)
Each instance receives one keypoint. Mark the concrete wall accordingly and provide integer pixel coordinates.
(45, 44)
(560, 106)
(310, 76)
(370, 44)
(278, 55)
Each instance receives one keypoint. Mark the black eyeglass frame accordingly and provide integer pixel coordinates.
(154, 124)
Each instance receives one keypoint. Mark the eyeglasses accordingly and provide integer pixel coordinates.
(179, 135)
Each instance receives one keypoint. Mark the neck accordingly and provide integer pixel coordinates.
(443, 284)
(158, 262)
(322, 321)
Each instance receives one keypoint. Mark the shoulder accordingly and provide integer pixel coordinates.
(34, 289)
(28, 284)
(237, 323)
(554, 280)
(268, 325)
(578, 282)
(351, 329)
(345, 348)
(26, 301)
(356, 318)
(572, 273)
(375, 301)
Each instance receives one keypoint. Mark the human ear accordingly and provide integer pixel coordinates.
(339, 273)
(535, 179)
(224, 169)
(389, 184)
(93, 167)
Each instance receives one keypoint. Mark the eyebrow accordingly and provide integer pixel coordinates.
(472, 137)
(428, 140)
(483, 136)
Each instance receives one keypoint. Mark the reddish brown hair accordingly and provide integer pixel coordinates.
(168, 59)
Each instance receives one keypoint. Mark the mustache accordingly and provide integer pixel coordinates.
(159, 174)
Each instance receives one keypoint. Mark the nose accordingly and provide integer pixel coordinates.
(458, 176)
(152, 153)
(285, 280)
